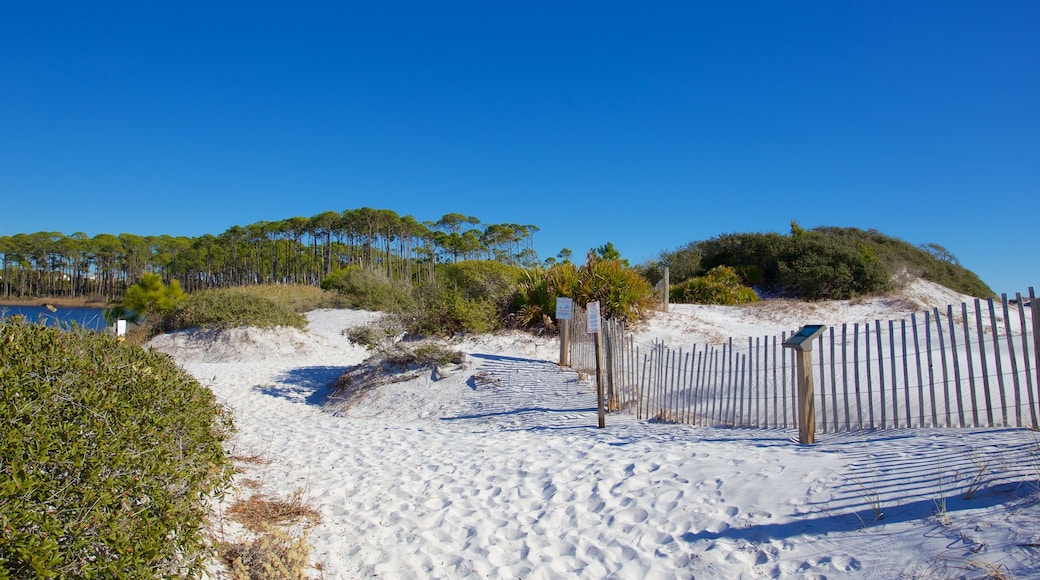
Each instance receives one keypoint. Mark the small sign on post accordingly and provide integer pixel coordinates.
(564, 310)
(592, 326)
(592, 318)
(801, 341)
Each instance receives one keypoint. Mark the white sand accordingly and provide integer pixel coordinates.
(498, 471)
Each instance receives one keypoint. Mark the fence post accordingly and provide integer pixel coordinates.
(599, 380)
(801, 342)
(666, 289)
(564, 313)
(565, 343)
(806, 401)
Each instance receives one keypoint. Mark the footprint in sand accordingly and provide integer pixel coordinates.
(669, 500)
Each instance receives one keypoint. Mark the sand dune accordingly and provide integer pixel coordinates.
(497, 469)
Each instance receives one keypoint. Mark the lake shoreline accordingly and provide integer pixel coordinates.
(92, 302)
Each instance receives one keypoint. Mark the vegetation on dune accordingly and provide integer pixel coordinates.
(107, 457)
(720, 285)
(621, 291)
(822, 263)
(229, 308)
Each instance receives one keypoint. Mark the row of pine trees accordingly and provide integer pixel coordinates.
(296, 250)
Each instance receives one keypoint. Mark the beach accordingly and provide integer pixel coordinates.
(495, 468)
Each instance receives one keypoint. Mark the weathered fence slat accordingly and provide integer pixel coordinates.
(945, 373)
(906, 373)
(971, 367)
(984, 361)
(931, 369)
(1025, 359)
(999, 365)
(1014, 360)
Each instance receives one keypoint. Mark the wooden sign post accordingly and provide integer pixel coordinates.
(592, 326)
(564, 308)
(801, 341)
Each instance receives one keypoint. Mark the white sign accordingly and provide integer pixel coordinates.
(592, 320)
(563, 308)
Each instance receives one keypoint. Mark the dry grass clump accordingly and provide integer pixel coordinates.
(259, 512)
(267, 550)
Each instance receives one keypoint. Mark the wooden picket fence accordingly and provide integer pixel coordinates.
(973, 366)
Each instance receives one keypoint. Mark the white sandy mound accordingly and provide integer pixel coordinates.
(686, 324)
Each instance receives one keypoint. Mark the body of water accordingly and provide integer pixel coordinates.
(89, 318)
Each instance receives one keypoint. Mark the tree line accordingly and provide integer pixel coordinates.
(298, 250)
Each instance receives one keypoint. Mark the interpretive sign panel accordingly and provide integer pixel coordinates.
(592, 317)
(564, 307)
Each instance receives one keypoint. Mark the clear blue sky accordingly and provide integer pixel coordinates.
(649, 125)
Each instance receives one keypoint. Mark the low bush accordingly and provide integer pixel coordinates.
(296, 297)
(367, 289)
(376, 334)
(482, 280)
(227, 308)
(439, 311)
(721, 285)
(620, 289)
(108, 453)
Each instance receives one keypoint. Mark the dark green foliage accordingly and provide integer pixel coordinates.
(824, 262)
(817, 267)
(228, 308)
(721, 285)
(107, 453)
(367, 289)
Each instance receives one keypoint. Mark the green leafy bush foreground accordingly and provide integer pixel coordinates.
(230, 308)
(108, 454)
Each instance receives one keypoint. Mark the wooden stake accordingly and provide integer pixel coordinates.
(599, 381)
(565, 343)
(806, 404)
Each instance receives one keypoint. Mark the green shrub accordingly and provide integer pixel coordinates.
(367, 289)
(816, 267)
(107, 455)
(150, 297)
(620, 290)
(721, 285)
(229, 309)
(824, 262)
(439, 311)
(483, 280)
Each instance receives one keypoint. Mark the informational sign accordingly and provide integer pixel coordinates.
(592, 317)
(564, 307)
(802, 340)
